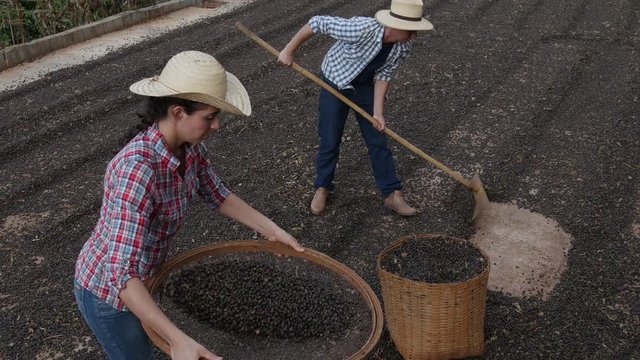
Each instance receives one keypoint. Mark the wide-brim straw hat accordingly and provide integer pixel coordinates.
(196, 76)
(404, 15)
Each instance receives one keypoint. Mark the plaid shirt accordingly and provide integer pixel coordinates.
(359, 41)
(145, 202)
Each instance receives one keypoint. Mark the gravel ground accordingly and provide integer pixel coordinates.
(542, 97)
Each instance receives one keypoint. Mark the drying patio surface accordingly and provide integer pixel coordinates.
(542, 98)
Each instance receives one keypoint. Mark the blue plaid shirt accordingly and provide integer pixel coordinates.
(359, 41)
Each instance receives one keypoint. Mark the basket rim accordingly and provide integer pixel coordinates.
(154, 284)
(381, 271)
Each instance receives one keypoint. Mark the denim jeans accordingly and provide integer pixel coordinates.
(333, 116)
(119, 332)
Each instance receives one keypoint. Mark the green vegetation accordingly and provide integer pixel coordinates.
(24, 20)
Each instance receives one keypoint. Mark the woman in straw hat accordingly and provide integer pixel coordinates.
(360, 65)
(147, 190)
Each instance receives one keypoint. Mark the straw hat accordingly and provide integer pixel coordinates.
(196, 76)
(404, 15)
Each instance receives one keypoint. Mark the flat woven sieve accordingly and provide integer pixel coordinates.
(263, 300)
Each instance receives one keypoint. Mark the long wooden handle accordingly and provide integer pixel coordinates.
(456, 175)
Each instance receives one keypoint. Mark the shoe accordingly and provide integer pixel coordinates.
(319, 201)
(395, 202)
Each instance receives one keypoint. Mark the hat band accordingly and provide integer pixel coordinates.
(157, 78)
(404, 17)
(177, 92)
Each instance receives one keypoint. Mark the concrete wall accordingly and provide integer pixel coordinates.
(17, 54)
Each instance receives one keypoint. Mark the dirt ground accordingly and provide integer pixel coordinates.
(541, 97)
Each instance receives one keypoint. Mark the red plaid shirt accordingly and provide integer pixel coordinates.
(145, 202)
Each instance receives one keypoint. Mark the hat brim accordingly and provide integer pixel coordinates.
(384, 17)
(236, 101)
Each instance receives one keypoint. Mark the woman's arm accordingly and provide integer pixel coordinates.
(236, 209)
(286, 55)
(140, 302)
(380, 90)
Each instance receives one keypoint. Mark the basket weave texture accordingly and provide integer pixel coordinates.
(434, 321)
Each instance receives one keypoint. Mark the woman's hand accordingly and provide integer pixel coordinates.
(381, 122)
(285, 58)
(235, 208)
(188, 349)
(285, 238)
(137, 298)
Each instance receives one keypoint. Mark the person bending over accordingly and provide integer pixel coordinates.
(360, 65)
(148, 187)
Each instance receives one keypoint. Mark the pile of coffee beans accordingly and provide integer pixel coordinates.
(245, 296)
(435, 260)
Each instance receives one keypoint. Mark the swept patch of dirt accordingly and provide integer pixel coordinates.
(21, 224)
(527, 251)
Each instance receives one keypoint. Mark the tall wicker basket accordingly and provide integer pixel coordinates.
(434, 321)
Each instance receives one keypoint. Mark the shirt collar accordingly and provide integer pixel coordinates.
(161, 147)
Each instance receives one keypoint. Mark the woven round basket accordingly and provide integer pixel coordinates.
(155, 283)
(434, 321)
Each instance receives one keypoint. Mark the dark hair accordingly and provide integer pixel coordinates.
(156, 109)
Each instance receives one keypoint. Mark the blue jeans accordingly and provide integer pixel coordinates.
(333, 116)
(119, 332)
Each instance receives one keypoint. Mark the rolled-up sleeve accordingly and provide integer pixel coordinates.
(386, 71)
(210, 187)
(347, 30)
(130, 208)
